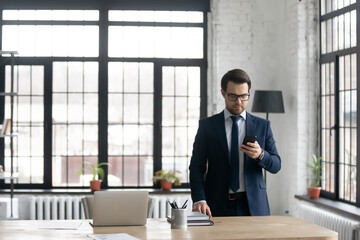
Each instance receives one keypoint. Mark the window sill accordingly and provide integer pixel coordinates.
(88, 191)
(343, 209)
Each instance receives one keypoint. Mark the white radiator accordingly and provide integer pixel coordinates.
(346, 228)
(70, 207)
(162, 209)
(56, 207)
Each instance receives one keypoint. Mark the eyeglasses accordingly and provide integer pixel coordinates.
(234, 97)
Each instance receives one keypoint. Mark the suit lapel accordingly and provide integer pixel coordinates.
(250, 125)
(221, 132)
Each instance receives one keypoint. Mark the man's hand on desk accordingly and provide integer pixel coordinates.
(202, 207)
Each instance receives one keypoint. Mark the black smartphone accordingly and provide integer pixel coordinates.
(251, 139)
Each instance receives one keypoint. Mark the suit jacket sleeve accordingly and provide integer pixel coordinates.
(271, 161)
(198, 165)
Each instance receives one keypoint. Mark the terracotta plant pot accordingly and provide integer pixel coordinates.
(95, 185)
(165, 185)
(314, 192)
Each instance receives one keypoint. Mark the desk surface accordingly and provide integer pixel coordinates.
(270, 227)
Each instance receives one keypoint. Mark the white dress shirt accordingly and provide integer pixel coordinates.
(242, 131)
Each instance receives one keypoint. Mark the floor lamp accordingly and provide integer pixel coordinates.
(268, 102)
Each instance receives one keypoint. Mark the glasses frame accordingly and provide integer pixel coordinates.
(235, 97)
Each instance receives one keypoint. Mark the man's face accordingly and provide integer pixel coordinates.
(238, 106)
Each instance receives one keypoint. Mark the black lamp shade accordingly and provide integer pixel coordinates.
(268, 102)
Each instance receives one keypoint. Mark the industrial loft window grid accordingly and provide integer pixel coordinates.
(117, 86)
(339, 79)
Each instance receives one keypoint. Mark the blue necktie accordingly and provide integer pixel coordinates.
(234, 155)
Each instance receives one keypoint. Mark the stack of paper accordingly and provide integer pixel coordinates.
(196, 219)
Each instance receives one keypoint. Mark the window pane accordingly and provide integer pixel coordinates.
(131, 164)
(168, 107)
(347, 30)
(156, 16)
(146, 139)
(27, 121)
(353, 29)
(130, 133)
(353, 72)
(329, 35)
(131, 106)
(335, 34)
(48, 15)
(146, 108)
(146, 77)
(115, 112)
(75, 119)
(341, 32)
(115, 77)
(158, 42)
(47, 40)
(115, 139)
(115, 177)
(131, 144)
(341, 73)
(323, 37)
(180, 116)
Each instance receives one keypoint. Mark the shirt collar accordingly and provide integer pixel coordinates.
(227, 114)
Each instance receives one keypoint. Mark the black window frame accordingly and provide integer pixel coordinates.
(104, 6)
(333, 57)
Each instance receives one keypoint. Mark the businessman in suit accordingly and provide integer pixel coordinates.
(225, 174)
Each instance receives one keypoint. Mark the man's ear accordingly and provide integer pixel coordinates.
(222, 92)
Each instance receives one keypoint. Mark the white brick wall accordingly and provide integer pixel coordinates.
(276, 42)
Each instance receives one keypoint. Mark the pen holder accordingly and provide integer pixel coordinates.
(178, 218)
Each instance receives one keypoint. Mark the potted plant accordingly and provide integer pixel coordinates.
(315, 167)
(166, 179)
(97, 174)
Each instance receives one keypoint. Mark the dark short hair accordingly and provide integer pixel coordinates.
(237, 76)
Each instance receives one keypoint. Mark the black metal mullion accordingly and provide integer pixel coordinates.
(48, 125)
(157, 116)
(336, 138)
(103, 93)
(30, 127)
(358, 102)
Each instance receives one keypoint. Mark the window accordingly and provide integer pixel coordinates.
(121, 86)
(338, 62)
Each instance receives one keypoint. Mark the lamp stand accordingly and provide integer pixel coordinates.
(267, 118)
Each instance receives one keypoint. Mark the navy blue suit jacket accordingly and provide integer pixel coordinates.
(210, 165)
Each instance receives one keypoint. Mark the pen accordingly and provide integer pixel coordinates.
(184, 205)
(176, 206)
(171, 205)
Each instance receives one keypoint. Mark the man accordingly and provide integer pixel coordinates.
(226, 180)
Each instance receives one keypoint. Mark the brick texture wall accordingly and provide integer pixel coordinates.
(276, 42)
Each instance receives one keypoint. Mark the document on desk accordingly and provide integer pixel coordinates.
(115, 236)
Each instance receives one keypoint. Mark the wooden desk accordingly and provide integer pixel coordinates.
(271, 227)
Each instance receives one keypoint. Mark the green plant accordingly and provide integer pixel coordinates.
(96, 169)
(169, 176)
(315, 167)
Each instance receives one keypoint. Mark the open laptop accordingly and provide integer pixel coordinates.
(120, 208)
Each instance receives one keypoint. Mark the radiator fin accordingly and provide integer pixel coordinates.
(70, 207)
(56, 208)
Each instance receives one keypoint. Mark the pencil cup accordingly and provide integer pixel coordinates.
(178, 218)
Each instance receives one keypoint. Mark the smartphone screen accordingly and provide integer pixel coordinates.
(251, 139)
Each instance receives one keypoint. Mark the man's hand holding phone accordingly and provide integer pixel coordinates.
(251, 147)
